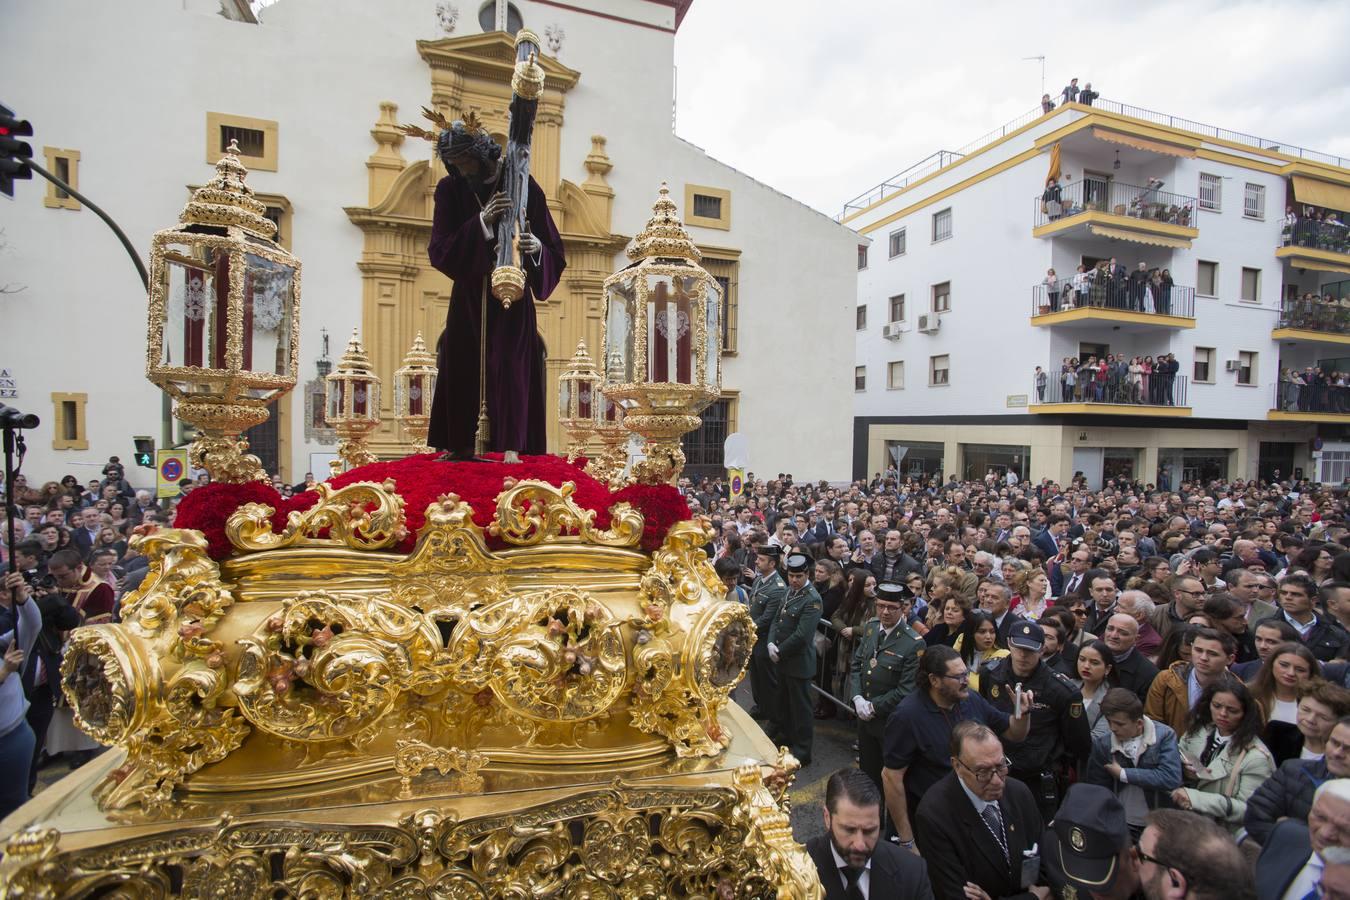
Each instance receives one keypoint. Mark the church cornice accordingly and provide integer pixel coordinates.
(491, 56)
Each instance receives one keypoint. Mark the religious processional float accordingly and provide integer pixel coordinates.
(420, 678)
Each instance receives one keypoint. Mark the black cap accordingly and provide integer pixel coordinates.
(773, 551)
(1026, 636)
(1083, 843)
(892, 592)
(798, 563)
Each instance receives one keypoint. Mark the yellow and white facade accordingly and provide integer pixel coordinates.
(953, 317)
(143, 97)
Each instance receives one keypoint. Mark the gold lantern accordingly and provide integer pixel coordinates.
(662, 340)
(224, 312)
(353, 405)
(578, 389)
(608, 426)
(414, 386)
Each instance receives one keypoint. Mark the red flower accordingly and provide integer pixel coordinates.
(422, 480)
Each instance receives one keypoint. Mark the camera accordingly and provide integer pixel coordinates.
(12, 418)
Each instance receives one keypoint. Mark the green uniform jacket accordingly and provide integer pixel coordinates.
(766, 596)
(885, 674)
(793, 630)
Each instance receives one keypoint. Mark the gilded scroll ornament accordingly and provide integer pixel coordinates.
(411, 758)
(532, 512)
(362, 516)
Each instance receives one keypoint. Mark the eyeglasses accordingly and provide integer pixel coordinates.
(984, 774)
(1190, 593)
(958, 676)
(1144, 857)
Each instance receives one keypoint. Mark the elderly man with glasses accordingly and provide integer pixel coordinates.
(977, 827)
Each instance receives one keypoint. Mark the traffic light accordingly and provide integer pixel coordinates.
(145, 452)
(14, 153)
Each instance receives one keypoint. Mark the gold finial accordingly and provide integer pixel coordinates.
(581, 359)
(664, 235)
(419, 355)
(226, 200)
(355, 359)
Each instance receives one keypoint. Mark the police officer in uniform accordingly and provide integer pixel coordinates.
(793, 650)
(883, 671)
(766, 595)
(1059, 729)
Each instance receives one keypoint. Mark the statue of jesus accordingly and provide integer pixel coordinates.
(469, 201)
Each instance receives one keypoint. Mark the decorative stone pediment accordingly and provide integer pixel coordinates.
(490, 56)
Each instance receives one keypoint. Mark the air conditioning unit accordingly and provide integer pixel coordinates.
(1231, 365)
(928, 324)
(891, 331)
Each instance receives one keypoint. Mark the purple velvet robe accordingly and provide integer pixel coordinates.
(515, 352)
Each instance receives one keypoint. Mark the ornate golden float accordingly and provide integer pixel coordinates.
(502, 694)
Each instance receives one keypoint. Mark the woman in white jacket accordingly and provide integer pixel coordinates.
(1222, 756)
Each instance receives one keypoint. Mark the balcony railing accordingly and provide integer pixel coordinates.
(1332, 236)
(1116, 387)
(1093, 194)
(1322, 313)
(1104, 292)
(1308, 391)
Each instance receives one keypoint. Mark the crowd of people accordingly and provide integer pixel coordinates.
(1181, 658)
(1318, 229)
(1112, 379)
(1316, 312)
(1108, 285)
(1314, 389)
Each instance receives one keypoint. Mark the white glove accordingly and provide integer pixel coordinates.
(773, 651)
(871, 711)
(863, 708)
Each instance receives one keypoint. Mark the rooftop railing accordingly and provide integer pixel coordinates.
(1148, 202)
(1105, 292)
(1316, 314)
(944, 158)
(1116, 386)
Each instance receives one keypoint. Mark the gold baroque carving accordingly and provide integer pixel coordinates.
(363, 516)
(411, 758)
(532, 512)
(328, 666)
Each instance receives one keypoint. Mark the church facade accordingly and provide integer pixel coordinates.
(136, 102)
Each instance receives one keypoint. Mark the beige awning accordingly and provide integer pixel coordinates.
(1321, 193)
(1140, 237)
(1303, 262)
(1138, 143)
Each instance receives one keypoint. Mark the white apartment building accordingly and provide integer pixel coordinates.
(135, 103)
(953, 315)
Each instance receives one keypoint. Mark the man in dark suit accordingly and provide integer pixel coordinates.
(1292, 860)
(977, 827)
(1056, 530)
(86, 533)
(1133, 669)
(852, 861)
(995, 597)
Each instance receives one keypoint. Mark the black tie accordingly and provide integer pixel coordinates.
(851, 890)
(993, 819)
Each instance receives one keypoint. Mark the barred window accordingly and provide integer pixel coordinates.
(1211, 192)
(897, 243)
(1254, 201)
(942, 224)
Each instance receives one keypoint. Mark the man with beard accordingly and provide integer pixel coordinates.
(469, 202)
(851, 860)
(1187, 855)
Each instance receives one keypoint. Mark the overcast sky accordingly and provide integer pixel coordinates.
(823, 99)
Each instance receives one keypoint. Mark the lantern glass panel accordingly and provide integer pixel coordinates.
(268, 300)
(712, 332)
(619, 317)
(417, 395)
(670, 333)
(197, 281)
(337, 392)
(584, 388)
(362, 399)
(610, 412)
(565, 398)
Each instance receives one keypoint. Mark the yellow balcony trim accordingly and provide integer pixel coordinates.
(1304, 334)
(1294, 415)
(1312, 258)
(1112, 409)
(1123, 316)
(1127, 223)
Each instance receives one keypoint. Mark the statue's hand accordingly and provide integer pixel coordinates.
(529, 244)
(499, 205)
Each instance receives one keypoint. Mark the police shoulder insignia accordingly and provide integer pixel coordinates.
(993, 691)
(1069, 892)
(1075, 709)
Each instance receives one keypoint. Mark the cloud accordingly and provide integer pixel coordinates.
(824, 100)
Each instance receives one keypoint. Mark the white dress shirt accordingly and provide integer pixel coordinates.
(864, 880)
(1306, 879)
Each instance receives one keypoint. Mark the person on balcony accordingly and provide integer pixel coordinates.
(1165, 293)
(1087, 95)
(1116, 295)
(1082, 284)
(1070, 92)
(1047, 105)
(1052, 199)
(1138, 287)
(1051, 283)
(1136, 380)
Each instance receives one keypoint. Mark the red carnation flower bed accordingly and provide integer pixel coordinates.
(421, 480)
